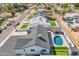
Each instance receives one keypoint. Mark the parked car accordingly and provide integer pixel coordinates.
(3, 28)
(2, 19)
(0, 30)
(17, 24)
(9, 23)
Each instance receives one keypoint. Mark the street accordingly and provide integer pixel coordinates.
(6, 32)
(9, 29)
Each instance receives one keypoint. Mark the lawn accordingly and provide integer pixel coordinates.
(24, 26)
(61, 53)
(30, 17)
(52, 23)
(2, 24)
(60, 50)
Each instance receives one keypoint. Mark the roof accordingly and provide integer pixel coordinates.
(71, 15)
(38, 20)
(37, 37)
(77, 21)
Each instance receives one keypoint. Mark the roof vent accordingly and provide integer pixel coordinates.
(29, 32)
(41, 37)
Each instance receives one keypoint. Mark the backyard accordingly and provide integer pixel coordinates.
(60, 50)
(61, 53)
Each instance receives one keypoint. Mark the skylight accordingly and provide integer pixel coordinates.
(39, 35)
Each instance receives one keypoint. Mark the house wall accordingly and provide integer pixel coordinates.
(28, 50)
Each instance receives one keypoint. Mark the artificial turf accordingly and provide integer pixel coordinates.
(60, 50)
(52, 23)
(61, 53)
(24, 26)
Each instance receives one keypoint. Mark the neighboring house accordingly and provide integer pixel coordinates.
(72, 19)
(71, 15)
(36, 42)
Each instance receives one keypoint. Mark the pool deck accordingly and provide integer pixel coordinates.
(64, 41)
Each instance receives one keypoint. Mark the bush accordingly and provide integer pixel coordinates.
(65, 11)
(48, 8)
(76, 5)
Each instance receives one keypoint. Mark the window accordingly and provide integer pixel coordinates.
(24, 49)
(18, 54)
(32, 50)
(44, 50)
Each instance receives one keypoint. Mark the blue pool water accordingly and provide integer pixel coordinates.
(58, 40)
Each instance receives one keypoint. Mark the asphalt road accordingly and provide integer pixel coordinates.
(9, 29)
(8, 48)
(6, 32)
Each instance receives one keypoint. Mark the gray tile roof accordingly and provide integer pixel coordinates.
(32, 38)
(77, 20)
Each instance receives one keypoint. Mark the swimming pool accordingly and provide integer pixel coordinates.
(58, 40)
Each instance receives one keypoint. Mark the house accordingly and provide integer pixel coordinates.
(36, 42)
(71, 15)
(72, 19)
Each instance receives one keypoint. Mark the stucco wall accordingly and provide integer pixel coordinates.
(28, 50)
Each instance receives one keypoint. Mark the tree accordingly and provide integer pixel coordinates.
(10, 7)
(20, 7)
(65, 11)
(48, 8)
(64, 5)
(76, 5)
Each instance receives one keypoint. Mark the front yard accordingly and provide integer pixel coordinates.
(24, 26)
(52, 23)
(2, 24)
